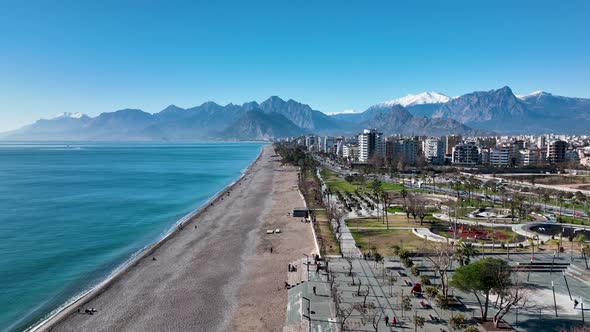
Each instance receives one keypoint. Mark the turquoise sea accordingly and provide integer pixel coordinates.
(72, 213)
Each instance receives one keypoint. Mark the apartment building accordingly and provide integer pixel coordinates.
(466, 154)
(370, 145)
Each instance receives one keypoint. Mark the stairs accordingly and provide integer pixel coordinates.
(545, 266)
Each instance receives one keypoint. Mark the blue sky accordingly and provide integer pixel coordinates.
(100, 56)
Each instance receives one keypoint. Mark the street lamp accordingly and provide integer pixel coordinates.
(307, 264)
(308, 316)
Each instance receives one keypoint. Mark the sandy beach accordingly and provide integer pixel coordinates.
(215, 274)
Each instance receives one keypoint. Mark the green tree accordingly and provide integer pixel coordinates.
(481, 278)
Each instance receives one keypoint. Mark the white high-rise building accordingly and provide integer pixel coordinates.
(434, 150)
(370, 145)
(339, 146)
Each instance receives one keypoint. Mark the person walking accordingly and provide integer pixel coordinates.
(314, 290)
(386, 320)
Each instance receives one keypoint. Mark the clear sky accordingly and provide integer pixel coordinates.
(100, 56)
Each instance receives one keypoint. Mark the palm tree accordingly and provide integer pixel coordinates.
(580, 240)
(546, 198)
(464, 252)
(560, 201)
(574, 201)
(433, 175)
(532, 244)
(512, 201)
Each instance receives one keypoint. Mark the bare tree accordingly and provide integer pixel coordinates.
(343, 313)
(440, 256)
(349, 261)
(370, 313)
(511, 293)
(386, 200)
(365, 295)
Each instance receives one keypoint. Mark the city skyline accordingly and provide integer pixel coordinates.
(90, 58)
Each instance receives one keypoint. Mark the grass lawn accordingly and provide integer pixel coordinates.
(394, 221)
(336, 182)
(391, 186)
(394, 209)
(572, 220)
(327, 240)
(384, 240)
(342, 186)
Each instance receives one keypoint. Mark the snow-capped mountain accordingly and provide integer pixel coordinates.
(532, 94)
(76, 115)
(419, 99)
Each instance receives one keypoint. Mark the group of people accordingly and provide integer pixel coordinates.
(87, 311)
(393, 321)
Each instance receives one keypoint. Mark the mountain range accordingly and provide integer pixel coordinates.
(480, 113)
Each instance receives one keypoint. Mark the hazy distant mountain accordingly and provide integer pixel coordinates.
(60, 127)
(272, 118)
(259, 125)
(300, 114)
(474, 113)
(543, 103)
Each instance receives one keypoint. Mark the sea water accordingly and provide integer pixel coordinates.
(72, 213)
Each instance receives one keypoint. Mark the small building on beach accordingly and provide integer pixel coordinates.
(301, 212)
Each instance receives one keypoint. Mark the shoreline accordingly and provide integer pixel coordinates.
(63, 311)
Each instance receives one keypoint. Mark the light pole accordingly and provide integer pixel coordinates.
(308, 316)
(307, 265)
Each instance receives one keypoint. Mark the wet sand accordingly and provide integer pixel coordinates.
(219, 276)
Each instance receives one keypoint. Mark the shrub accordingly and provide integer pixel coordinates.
(408, 263)
(471, 329)
(442, 301)
(431, 291)
(415, 270)
(457, 321)
(404, 254)
(425, 280)
(418, 321)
